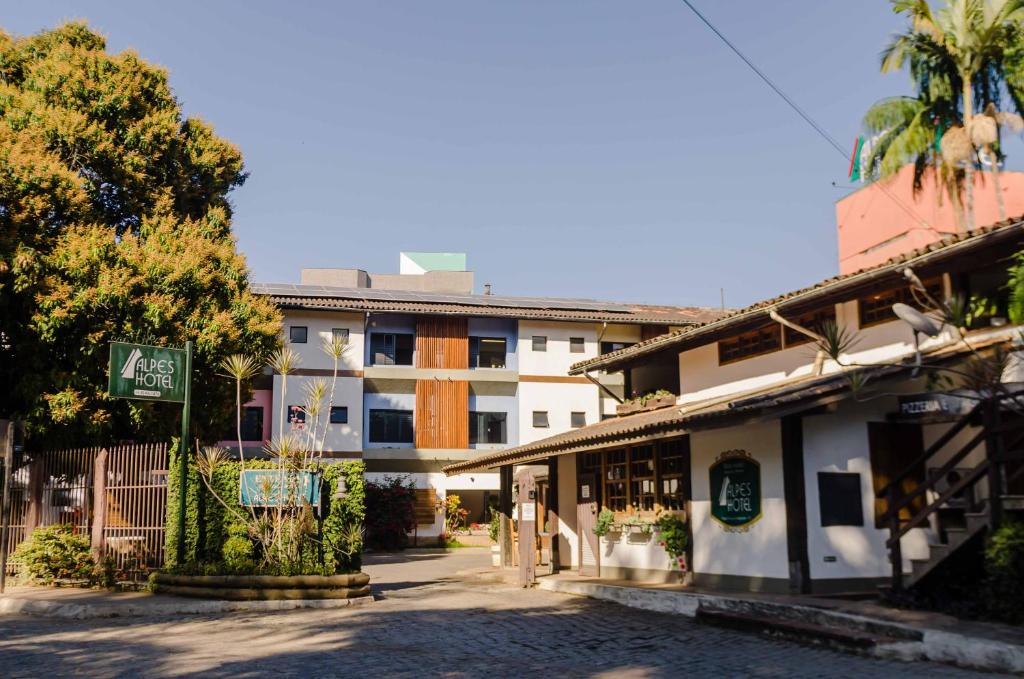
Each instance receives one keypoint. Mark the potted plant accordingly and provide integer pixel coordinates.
(492, 531)
(653, 400)
(672, 538)
(605, 523)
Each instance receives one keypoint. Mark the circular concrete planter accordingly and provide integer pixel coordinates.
(264, 587)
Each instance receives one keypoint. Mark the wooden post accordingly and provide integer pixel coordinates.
(99, 505)
(5, 506)
(896, 551)
(527, 528)
(34, 514)
(552, 507)
(505, 509)
(993, 451)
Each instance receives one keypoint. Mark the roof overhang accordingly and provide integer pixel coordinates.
(778, 400)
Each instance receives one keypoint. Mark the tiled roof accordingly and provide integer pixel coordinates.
(773, 400)
(948, 247)
(555, 309)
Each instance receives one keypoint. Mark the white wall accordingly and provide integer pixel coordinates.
(557, 359)
(838, 442)
(701, 377)
(348, 392)
(559, 400)
(568, 533)
(320, 325)
(761, 551)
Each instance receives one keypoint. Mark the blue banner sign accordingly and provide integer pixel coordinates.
(262, 488)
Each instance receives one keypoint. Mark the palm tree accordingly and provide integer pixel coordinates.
(968, 51)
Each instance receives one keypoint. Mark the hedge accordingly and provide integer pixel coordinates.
(208, 525)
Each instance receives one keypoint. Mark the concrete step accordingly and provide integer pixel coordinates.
(795, 630)
(1013, 502)
(976, 521)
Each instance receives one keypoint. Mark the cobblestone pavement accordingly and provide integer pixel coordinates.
(429, 623)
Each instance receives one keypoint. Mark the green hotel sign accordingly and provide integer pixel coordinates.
(139, 371)
(735, 490)
(262, 488)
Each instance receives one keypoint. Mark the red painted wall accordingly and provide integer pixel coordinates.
(872, 227)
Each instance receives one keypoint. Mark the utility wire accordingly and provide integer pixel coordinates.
(803, 114)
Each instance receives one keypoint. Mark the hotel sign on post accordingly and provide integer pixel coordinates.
(147, 373)
(735, 490)
(138, 371)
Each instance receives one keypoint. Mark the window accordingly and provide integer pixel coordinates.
(339, 414)
(577, 420)
(296, 416)
(297, 334)
(645, 478)
(576, 345)
(486, 352)
(641, 478)
(609, 347)
(754, 343)
(877, 308)
(487, 428)
(540, 418)
(252, 423)
(839, 498)
(540, 343)
(391, 426)
(339, 335)
(391, 348)
(616, 488)
(671, 463)
(813, 321)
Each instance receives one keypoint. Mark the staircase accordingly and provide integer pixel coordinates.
(906, 497)
(976, 524)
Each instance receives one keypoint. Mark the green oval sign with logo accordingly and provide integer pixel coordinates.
(735, 490)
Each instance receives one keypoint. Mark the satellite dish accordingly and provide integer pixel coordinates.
(916, 320)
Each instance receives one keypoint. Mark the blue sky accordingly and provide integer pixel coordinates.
(606, 149)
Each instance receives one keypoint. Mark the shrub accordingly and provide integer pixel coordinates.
(1004, 572)
(605, 520)
(238, 550)
(390, 513)
(55, 553)
(672, 532)
(494, 527)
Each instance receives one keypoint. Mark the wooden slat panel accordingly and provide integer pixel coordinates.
(442, 342)
(442, 414)
(425, 500)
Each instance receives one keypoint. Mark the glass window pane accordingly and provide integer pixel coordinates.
(297, 334)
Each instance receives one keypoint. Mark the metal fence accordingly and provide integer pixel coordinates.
(115, 495)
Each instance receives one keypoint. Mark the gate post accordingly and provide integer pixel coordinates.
(527, 528)
(34, 515)
(99, 505)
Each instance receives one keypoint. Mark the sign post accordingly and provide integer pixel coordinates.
(147, 373)
(183, 450)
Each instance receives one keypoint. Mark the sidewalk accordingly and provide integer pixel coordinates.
(79, 604)
(894, 633)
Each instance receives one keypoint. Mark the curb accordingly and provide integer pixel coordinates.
(50, 609)
(914, 643)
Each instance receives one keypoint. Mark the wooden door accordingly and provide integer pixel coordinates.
(587, 505)
(894, 446)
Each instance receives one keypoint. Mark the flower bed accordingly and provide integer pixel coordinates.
(263, 587)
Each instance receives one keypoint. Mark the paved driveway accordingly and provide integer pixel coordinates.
(429, 623)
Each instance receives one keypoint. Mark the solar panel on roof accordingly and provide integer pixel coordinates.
(371, 295)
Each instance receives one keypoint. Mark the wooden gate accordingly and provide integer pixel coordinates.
(116, 495)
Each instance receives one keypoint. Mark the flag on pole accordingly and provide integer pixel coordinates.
(854, 172)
